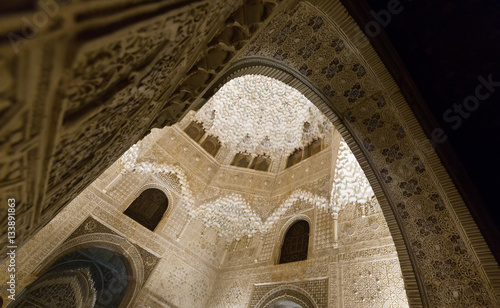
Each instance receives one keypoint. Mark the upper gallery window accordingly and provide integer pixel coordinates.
(149, 208)
(295, 243)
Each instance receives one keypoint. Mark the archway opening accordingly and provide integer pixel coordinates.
(89, 277)
(286, 304)
(352, 200)
(242, 210)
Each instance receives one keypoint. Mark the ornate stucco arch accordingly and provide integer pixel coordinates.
(274, 69)
(131, 258)
(429, 222)
(287, 292)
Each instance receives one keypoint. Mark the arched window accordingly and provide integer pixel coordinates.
(261, 163)
(211, 145)
(313, 148)
(241, 160)
(294, 158)
(295, 243)
(148, 208)
(195, 131)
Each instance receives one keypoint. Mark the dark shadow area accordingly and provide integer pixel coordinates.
(444, 57)
(79, 277)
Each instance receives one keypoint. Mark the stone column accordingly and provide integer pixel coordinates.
(114, 181)
(226, 249)
(335, 216)
(184, 227)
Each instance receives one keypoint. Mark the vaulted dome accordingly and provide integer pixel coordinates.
(263, 116)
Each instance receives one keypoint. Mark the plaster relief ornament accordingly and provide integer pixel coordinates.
(131, 162)
(262, 116)
(350, 184)
(233, 217)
